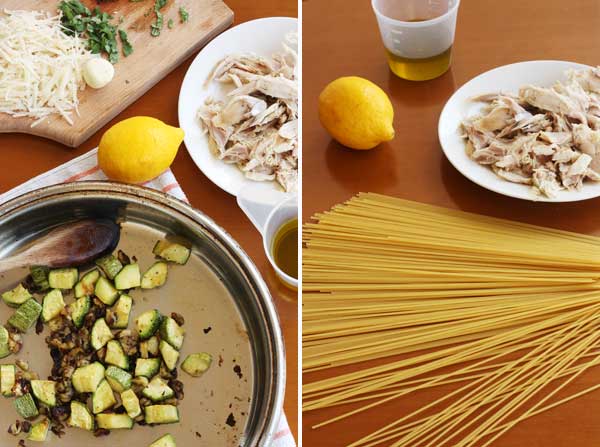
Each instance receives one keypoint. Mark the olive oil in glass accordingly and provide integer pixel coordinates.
(285, 248)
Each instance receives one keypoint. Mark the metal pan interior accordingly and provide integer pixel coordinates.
(226, 305)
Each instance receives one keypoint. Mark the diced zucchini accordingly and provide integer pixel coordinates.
(152, 346)
(63, 278)
(128, 278)
(110, 265)
(115, 355)
(131, 403)
(4, 347)
(52, 305)
(148, 323)
(165, 441)
(25, 406)
(44, 391)
(155, 276)
(118, 379)
(101, 334)
(7, 380)
(105, 291)
(87, 285)
(103, 398)
(79, 310)
(16, 296)
(87, 378)
(113, 421)
(39, 431)
(169, 354)
(172, 333)
(161, 414)
(80, 416)
(26, 315)
(197, 364)
(171, 251)
(121, 310)
(39, 275)
(158, 390)
(147, 367)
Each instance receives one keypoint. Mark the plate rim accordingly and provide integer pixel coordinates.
(187, 79)
(526, 195)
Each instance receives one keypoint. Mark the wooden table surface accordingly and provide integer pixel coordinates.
(24, 157)
(340, 40)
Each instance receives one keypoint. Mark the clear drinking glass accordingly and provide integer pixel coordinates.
(417, 35)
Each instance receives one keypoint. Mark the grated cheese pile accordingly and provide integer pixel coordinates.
(40, 66)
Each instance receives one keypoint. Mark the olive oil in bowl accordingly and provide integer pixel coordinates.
(285, 248)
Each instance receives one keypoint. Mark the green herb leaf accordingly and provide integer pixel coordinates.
(170, 24)
(126, 45)
(183, 15)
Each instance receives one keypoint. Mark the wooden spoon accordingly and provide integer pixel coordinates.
(72, 244)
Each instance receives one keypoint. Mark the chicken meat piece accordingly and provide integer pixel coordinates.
(548, 137)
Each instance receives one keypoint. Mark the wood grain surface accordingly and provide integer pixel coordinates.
(25, 156)
(151, 60)
(340, 40)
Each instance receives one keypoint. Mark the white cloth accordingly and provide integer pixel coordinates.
(86, 167)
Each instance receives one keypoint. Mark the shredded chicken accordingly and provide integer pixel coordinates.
(545, 137)
(256, 126)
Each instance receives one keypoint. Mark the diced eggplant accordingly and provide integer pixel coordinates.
(52, 305)
(64, 279)
(16, 296)
(197, 364)
(155, 276)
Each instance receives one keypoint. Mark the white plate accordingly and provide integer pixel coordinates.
(263, 37)
(507, 79)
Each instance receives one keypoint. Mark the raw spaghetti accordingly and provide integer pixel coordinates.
(508, 312)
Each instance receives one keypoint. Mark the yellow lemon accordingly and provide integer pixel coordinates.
(356, 112)
(138, 149)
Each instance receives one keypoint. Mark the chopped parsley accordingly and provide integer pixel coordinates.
(170, 24)
(95, 26)
(157, 26)
(183, 15)
(125, 44)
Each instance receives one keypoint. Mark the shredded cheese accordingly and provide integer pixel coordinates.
(40, 66)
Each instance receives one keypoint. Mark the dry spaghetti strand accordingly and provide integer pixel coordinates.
(507, 311)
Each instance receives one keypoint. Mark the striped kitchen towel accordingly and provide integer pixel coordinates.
(86, 167)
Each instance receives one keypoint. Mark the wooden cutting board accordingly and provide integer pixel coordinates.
(152, 59)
